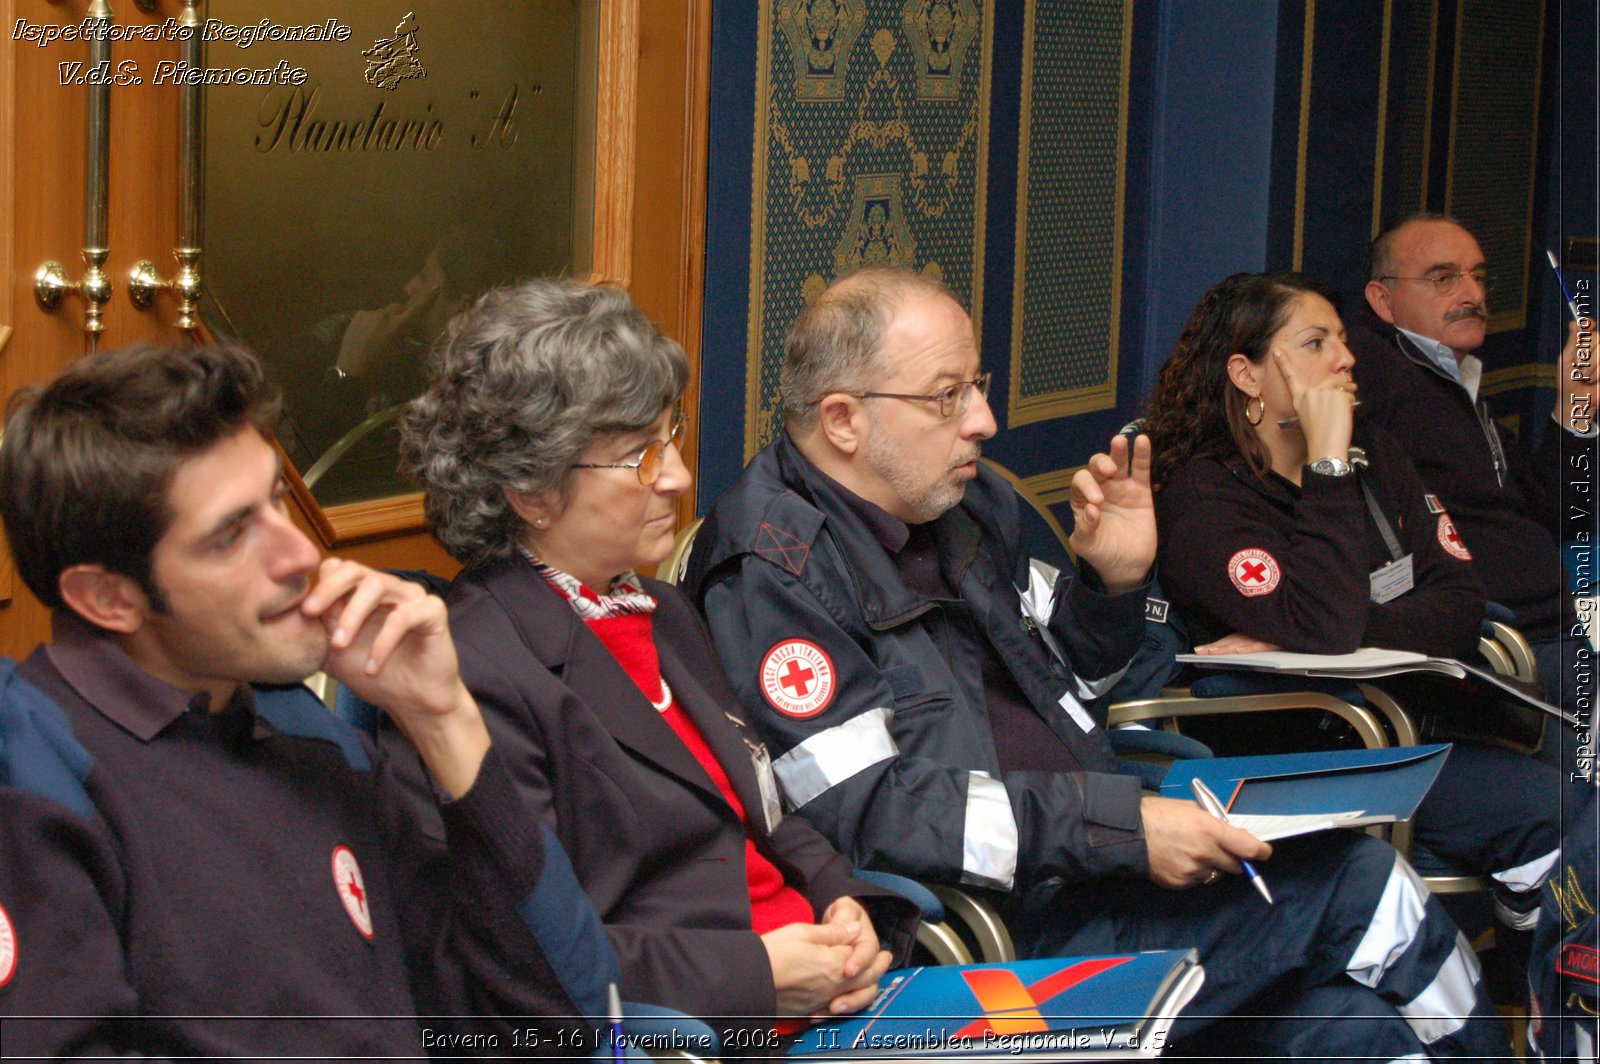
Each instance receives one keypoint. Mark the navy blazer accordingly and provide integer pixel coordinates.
(655, 844)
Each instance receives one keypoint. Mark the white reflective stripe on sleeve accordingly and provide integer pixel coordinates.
(1579, 1040)
(989, 837)
(830, 757)
(1513, 919)
(1092, 689)
(1075, 710)
(1444, 1007)
(1530, 876)
(1393, 925)
(1041, 593)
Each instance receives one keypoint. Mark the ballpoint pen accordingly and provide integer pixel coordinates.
(1566, 293)
(1286, 422)
(1212, 805)
(618, 1051)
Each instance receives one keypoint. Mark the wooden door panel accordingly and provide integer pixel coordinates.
(655, 248)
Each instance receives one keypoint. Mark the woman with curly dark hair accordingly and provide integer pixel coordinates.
(1286, 523)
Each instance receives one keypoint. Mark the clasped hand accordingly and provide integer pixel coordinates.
(830, 968)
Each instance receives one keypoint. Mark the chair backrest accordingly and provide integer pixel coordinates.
(1043, 535)
(1508, 651)
(323, 686)
(672, 568)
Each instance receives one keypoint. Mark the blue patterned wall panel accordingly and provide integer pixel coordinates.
(1070, 190)
(871, 121)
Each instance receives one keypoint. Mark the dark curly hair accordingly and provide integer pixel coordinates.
(1195, 411)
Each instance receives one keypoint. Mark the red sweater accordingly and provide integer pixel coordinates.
(773, 903)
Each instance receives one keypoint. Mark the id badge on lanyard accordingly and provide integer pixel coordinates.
(1395, 577)
(1391, 581)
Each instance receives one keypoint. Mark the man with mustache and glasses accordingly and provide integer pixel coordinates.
(197, 859)
(861, 582)
(1427, 288)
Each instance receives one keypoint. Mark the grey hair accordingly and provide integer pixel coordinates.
(520, 385)
(1380, 253)
(834, 344)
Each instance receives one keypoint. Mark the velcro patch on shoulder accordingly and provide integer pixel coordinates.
(781, 548)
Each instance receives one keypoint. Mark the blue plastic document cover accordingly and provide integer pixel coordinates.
(1061, 1007)
(1388, 782)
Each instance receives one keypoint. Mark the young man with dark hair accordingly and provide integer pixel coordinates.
(196, 858)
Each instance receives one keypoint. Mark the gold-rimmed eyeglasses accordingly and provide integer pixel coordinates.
(1448, 282)
(956, 399)
(647, 465)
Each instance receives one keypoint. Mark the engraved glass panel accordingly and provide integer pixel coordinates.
(367, 176)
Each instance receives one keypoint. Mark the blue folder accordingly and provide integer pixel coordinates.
(1386, 784)
(1117, 1005)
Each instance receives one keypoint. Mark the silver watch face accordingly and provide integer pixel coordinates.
(1331, 467)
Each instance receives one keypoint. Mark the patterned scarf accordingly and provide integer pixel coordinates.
(626, 596)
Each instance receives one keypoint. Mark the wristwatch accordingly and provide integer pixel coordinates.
(1332, 467)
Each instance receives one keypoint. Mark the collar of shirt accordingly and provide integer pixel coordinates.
(1467, 372)
(913, 548)
(885, 527)
(92, 663)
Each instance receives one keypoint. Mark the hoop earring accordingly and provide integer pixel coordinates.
(1260, 413)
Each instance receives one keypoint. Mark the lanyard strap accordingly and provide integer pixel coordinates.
(1496, 451)
(1386, 530)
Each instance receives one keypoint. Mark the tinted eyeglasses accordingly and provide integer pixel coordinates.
(649, 461)
(956, 399)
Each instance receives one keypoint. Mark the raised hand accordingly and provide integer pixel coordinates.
(1114, 515)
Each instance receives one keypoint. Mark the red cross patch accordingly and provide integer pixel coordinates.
(797, 678)
(8, 947)
(1450, 539)
(1254, 572)
(352, 889)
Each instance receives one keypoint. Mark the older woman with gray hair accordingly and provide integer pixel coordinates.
(547, 448)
